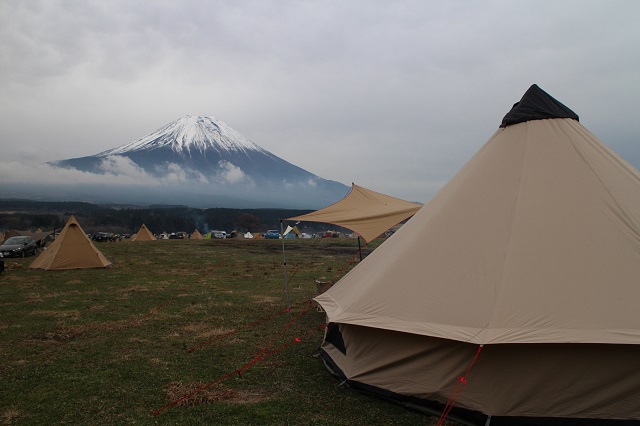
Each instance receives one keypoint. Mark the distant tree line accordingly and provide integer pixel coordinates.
(32, 215)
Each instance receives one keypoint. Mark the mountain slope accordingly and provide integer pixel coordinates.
(207, 156)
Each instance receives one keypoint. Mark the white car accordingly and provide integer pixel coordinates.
(218, 234)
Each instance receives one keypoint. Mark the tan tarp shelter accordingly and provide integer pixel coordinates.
(366, 212)
(71, 250)
(143, 234)
(36, 236)
(196, 235)
(531, 250)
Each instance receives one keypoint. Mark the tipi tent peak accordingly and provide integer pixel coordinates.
(530, 252)
(71, 250)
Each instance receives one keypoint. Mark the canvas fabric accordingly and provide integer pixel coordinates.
(143, 234)
(535, 240)
(366, 212)
(71, 250)
(590, 381)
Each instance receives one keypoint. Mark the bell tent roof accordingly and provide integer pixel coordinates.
(535, 240)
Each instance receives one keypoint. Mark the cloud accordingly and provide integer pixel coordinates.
(118, 170)
(232, 174)
(21, 173)
(395, 96)
(123, 168)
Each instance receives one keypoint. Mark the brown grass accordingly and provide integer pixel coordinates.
(214, 394)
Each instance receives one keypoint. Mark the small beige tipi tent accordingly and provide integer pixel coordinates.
(196, 235)
(143, 234)
(71, 250)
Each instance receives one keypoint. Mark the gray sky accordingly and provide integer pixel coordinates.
(393, 95)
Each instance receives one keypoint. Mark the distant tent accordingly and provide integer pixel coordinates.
(143, 234)
(291, 232)
(248, 235)
(364, 211)
(71, 250)
(196, 235)
(522, 271)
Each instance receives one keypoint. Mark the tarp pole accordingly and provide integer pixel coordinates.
(284, 264)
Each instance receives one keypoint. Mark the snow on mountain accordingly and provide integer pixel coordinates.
(198, 133)
(204, 155)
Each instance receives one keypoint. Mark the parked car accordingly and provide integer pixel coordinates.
(20, 246)
(103, 236)
(177, 235)
(272, 234)
(218, 234)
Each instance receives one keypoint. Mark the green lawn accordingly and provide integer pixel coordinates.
(112, 346)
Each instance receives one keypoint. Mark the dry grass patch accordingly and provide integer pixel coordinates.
(74, 314)
(265, 299)
(194, 307)
(138, 288)
(10, 415)
(202, 330)
(34, 298)
(75, 282)
(158, 361)
(217, 393)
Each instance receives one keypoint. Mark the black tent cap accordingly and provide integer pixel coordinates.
(536, 104)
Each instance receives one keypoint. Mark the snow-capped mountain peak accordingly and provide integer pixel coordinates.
(203, 155)
(191, 133)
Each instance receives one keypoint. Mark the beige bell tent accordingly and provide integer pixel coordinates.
(516, 289)
(364, 211)
(196, 235)
(143, 234)
(71, 250)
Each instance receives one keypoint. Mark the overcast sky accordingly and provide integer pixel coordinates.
(393, 95)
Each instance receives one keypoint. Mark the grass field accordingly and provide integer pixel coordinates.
(113, 346)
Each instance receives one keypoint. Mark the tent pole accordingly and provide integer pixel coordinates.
(284, 264)
(359, 248)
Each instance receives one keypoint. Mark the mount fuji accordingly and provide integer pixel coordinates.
(202, 162)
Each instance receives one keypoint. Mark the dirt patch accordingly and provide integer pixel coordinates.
(216, 393)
